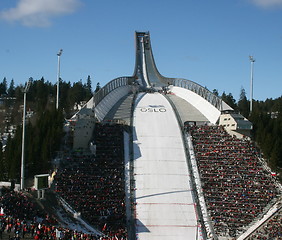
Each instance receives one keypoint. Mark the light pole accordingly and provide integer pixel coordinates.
(58, 77)
(23, 134)
(251, 84)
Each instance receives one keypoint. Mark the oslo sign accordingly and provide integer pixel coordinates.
(156, 109)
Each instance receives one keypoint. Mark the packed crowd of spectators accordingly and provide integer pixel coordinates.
(270, 230)
(237, 187)
(18, 205)
(94, 185)
(21, 218)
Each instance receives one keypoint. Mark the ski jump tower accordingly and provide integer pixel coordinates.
(188, 102)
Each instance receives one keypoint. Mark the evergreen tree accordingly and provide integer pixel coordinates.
(215, 92)
(44, 130)
(41, 93)
(77, 93)
(97, 87)
(3, 87)
(12, 155)
(11, 89)
(243, 104)
(229, 99)
(65, 98)
(88, 87)
(19, 93)
(31, 91)
(276, 155)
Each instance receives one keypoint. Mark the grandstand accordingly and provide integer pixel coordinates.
(183, 181)
(167, 159)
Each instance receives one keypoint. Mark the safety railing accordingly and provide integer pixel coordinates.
(109, 87)
(196, 88)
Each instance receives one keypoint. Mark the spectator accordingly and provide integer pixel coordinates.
(236, 184)
(94, 186)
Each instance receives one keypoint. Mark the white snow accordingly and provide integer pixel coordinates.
(165, 208)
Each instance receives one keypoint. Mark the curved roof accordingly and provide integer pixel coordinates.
(147, 76)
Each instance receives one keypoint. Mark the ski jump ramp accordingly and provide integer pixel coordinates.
(165, 207)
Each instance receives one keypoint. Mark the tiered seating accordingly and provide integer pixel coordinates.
(20, 217)
(271, 229)
(94, 186)
(237, 186)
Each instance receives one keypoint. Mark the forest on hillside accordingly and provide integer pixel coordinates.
(44, 125)
(44, 128)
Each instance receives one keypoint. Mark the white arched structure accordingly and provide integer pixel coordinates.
(206, 108)
(106, 104)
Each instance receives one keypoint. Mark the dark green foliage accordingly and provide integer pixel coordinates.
(267, 121)
(76, 93)
(243, 104)
(229, 99)
(215, 92)
(12, 156)
(97, 87)
(64, 96)
(42, 140)
(3, 87)
(11, 90)
(44, 130)
(88, 87)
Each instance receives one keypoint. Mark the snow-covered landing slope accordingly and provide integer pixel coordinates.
(165, 207)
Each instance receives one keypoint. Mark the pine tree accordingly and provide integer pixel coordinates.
(97, 87)
(215, 92)
(229, 99)
(276, 155)
(77, 93)
(243, 104)
(3, 87)
(11, 89)
(12, 155)
(64, 96)
(88, 87)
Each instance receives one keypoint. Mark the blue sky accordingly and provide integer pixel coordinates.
(206, 41)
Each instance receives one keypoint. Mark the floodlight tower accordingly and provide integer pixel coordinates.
(251, 84)
(23, 134)
(58, 77)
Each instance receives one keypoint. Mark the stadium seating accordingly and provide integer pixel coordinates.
(236, 184)
(271, 229)
(237, 188)
(94, 186)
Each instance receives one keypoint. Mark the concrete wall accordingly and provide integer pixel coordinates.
(83, 131)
